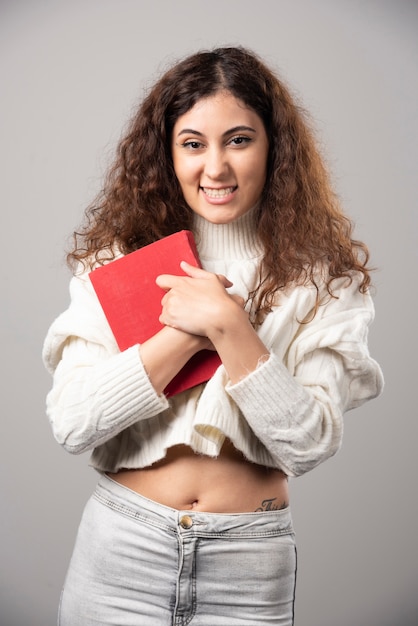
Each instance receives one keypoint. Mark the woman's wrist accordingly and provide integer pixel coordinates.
(237, 343)
(229, 319)
(164, 354)
(188, 344)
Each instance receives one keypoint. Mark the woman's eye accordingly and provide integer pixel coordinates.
(240, 140)
(192, 144)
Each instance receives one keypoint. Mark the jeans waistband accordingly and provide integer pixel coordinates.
(133, 505)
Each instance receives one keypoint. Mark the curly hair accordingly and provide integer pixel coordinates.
(300, 223)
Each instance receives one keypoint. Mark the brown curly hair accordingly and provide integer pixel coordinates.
(300, 223)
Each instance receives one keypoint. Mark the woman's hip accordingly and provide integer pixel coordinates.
(137, 558)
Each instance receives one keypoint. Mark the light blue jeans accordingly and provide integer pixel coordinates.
(139, 563)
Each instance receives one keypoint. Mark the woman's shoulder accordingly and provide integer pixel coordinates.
(323, 297)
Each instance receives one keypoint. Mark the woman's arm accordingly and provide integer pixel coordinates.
(295, 404)
(97, 390)
(292, 395)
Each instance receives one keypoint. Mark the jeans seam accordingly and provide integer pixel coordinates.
(128, 512)
(294, 584)
(249, 535)
(182, 618)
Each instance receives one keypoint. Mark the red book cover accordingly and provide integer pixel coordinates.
(131, 300)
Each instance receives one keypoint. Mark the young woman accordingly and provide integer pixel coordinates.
(190, 521)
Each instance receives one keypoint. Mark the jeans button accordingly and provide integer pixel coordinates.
(186, 522)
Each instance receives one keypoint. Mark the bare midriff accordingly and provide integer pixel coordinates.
(228, 483)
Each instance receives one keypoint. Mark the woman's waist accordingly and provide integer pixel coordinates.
(228, 483)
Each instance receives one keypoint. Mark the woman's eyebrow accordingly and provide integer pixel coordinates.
(239, 129)
(235, 129)
(189, 131)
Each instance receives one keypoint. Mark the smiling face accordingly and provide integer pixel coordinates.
(219, 150)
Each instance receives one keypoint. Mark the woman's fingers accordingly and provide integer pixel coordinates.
(197, 272)
(168, 281)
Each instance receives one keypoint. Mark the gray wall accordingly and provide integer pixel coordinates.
(70, 74)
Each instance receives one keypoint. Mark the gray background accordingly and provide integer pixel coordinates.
(71, 72)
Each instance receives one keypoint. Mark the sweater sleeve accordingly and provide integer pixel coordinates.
(295, 404)
(97, 390)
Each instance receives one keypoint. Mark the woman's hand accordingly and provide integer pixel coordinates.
(187, 305)
(197, 303)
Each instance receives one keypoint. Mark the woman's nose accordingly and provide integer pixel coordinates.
(216, 163)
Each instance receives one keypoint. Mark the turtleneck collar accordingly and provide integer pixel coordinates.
(236, 240)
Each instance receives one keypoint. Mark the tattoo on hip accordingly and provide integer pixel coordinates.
(271, 504)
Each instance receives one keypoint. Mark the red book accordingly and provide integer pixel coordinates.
(131, 300)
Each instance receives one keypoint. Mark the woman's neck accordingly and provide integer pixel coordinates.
(236, 240)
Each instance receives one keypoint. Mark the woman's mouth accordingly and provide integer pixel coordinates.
(218, 193)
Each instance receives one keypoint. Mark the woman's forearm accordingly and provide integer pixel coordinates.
(164, 354)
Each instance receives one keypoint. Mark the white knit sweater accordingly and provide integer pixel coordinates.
(288, 413)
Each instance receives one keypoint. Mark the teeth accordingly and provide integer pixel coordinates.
(218, 193)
